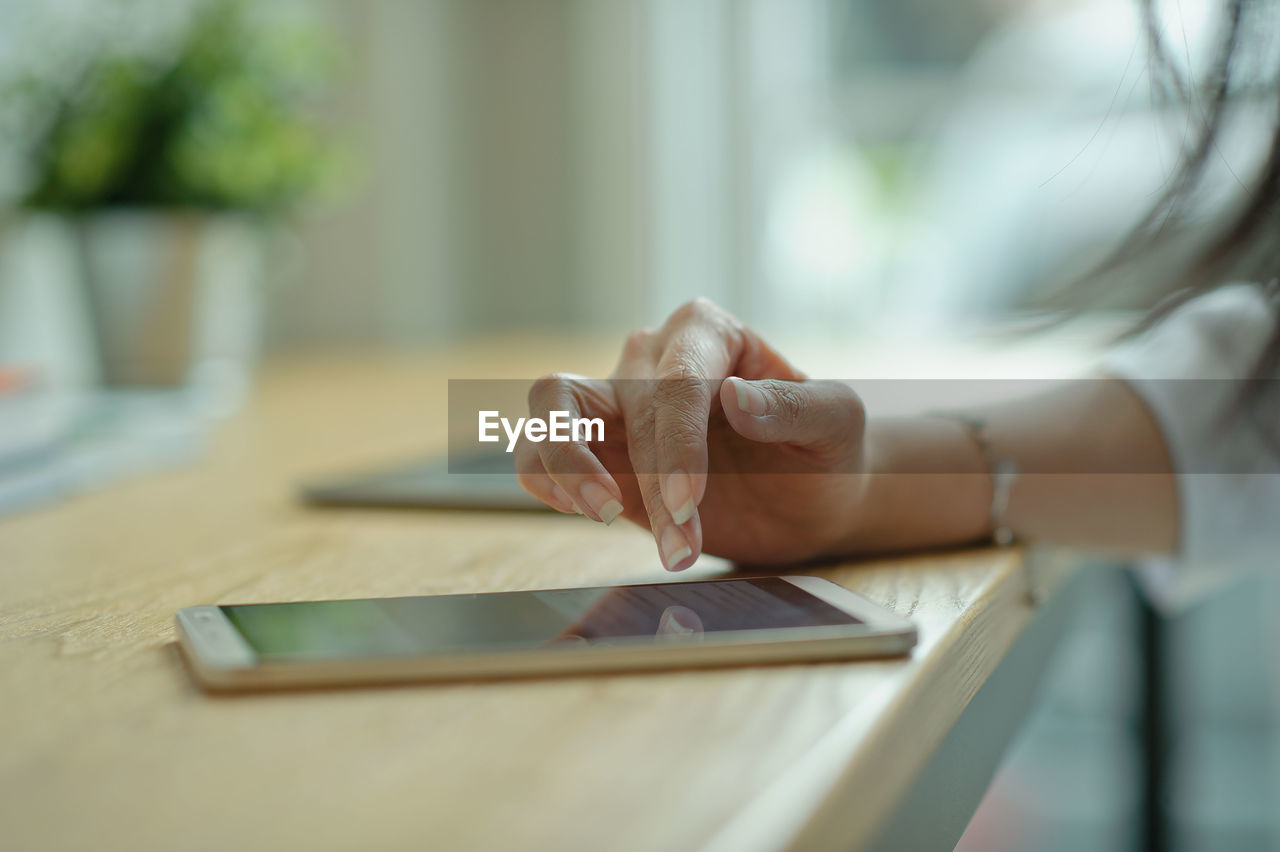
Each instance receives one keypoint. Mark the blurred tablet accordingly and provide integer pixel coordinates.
(485, 481)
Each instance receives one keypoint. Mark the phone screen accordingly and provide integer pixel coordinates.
(521, 620)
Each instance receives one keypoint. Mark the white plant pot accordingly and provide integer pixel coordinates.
(175, 299)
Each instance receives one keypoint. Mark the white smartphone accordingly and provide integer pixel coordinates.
(553, 631)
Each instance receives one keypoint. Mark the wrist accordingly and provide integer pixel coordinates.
(924, 484)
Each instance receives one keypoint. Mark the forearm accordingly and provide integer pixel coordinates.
(1095, 474)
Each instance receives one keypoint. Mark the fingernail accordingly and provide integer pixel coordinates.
(750, 398)
(677, 494)
(563, 501)
(674, 548)
(671, 624)
(610, 512)
(601, 502)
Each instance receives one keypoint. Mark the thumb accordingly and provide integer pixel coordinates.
(813, 414)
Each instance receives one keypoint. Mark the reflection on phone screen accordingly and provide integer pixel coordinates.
(516, 620)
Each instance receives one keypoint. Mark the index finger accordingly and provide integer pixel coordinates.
(682, 398)
(697, 357)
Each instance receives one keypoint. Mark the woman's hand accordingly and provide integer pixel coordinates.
(712, 441)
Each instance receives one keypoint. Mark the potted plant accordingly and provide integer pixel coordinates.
(171, 162)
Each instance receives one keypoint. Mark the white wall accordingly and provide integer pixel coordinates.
(562, 163)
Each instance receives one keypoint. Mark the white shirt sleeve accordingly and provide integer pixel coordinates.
(1190, 370)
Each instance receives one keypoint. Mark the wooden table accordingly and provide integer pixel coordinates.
(105, 742)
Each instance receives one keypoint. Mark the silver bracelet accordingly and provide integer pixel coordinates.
(1004, 473)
